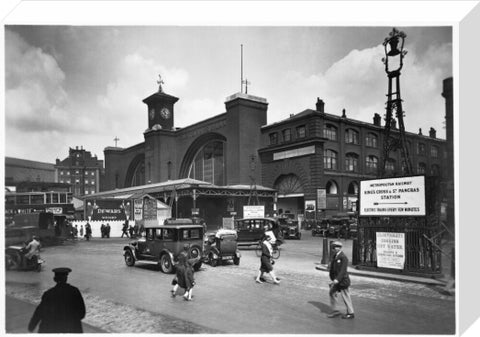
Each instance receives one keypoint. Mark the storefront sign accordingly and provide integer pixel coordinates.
(54, 210)
(255, 211)
(104, 210)
(403, 196)
(138, 209)
(390, 250)
(321, 198)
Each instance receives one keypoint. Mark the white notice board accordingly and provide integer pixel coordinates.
(404, 196)
(390, 250)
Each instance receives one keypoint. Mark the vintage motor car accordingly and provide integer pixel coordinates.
(221, 246)
(290, 228)
(251, 230)
(320, 228)
(163, 243)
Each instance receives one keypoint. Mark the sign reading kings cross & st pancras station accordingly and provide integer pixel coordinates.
(403, 196)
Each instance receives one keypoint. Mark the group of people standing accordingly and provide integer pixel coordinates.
(105, 230)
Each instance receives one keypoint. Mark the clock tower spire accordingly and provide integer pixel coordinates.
(160, 108)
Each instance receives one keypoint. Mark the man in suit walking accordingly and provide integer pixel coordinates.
(340, 282)
(62, 307)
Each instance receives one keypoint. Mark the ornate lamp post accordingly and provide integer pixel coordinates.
(393, 60)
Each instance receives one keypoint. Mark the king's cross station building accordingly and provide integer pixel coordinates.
(308, 165)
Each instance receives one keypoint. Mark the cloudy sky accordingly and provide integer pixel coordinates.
(70, 86)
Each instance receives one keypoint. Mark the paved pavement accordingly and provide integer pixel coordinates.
(19, 311)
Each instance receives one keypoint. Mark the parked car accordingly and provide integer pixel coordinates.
(319, 228)
(289, 228)
(221, 246)
(163, 244)
(251, 230)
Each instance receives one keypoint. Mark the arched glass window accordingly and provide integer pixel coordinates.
(332, 187)
(330, 132)
(353, 188)
(351, 162)
(139, 175)
(371, 140)
(209, 163)
(351, 136)
(329, 159)
(372, 164)
(288, 184)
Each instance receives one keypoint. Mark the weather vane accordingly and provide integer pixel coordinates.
(160, 82)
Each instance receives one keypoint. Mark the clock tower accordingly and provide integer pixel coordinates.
(160, 108)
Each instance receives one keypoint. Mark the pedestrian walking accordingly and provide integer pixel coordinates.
(75, 232)
(61, 309)
(125, 229)
(102, 230)
(266, 261)
(183, 278)
(81, 231)
(340, 282)
(107, 230)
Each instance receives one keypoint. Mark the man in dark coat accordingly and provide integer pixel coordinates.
(62, 307)
(340, 282)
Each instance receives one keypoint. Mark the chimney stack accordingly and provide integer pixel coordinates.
(420, 131)
(433, 133)
(377, 120)
(320, 105)
(344, 115)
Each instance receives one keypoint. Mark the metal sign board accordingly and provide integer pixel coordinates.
(321, 198)
(404, 196)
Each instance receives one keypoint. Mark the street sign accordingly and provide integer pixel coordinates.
(404, 196)
(254, 211)
(390, 250)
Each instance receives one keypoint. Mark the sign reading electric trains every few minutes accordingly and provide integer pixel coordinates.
(404, 196)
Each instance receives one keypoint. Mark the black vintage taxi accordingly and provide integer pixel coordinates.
(163, 243)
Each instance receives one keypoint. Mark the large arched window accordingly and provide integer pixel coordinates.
(209, 163)
(332, 187)
(138, 177)
(288, 184)
(351, 162)
(329, 159)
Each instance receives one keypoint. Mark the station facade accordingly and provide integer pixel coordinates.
(308, 165)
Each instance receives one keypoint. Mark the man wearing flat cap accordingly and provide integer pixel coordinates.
(340, 282)
(61, 309)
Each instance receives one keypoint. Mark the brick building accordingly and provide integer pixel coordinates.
(21, 170)
(311, 156)
(81, 170)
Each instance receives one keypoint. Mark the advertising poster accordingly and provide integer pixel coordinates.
(111, 210)
(391, 250)
(321, 198)
(403, 196)
(149, 209)
(138, 209)
(310, 205)
(254, 211)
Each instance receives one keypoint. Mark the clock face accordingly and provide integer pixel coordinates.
(152, 113)
(165, 113)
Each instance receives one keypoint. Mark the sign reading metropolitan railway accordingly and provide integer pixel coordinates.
(403, 196)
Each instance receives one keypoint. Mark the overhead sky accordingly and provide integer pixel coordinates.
(69, 86)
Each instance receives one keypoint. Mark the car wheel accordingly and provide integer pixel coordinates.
(236, 261)
(213, 261)
(129, 259)
(166, 264)
(313, 234)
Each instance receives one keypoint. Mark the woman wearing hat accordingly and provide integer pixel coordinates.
(340, 282)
